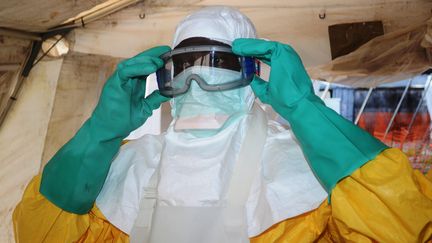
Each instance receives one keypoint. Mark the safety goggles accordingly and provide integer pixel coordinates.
(206, 65)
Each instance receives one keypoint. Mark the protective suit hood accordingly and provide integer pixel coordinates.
(220, 23)
(205, 113)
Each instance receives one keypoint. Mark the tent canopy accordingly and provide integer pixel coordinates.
(121, 28)
(39, 16)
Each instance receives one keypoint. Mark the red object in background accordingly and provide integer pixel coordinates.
(416, 143)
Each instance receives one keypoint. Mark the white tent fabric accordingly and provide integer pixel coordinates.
(22, 139)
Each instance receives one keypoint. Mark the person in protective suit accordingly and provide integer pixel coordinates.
(222, 172)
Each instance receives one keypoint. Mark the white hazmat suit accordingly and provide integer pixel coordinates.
(188, 186)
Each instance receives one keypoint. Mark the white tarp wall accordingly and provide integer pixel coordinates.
(22, 139)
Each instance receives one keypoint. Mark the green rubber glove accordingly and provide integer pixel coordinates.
(73, 178)
(334, 146)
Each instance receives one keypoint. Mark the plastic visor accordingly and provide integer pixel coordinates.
(195, 63)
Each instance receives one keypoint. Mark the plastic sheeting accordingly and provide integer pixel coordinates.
(392, 57)
(22, 138)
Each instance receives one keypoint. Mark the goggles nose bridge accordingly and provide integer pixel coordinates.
(195, 77)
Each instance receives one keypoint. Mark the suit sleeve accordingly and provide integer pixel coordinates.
(36, 219)
(385, 200)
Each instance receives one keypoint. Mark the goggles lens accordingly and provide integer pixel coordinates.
(184, 65)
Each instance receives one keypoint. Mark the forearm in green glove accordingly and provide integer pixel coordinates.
(333, 145)
(73, 178)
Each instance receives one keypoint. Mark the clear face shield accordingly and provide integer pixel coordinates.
(201, 64)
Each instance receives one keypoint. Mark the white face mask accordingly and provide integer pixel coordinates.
(206, 112)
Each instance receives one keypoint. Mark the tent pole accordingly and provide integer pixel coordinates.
(363, 105)
(20, 34)
(397, 109)
(19, 79)
(4, 110)
(324, 93)
(428, 82)
(108, 10)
